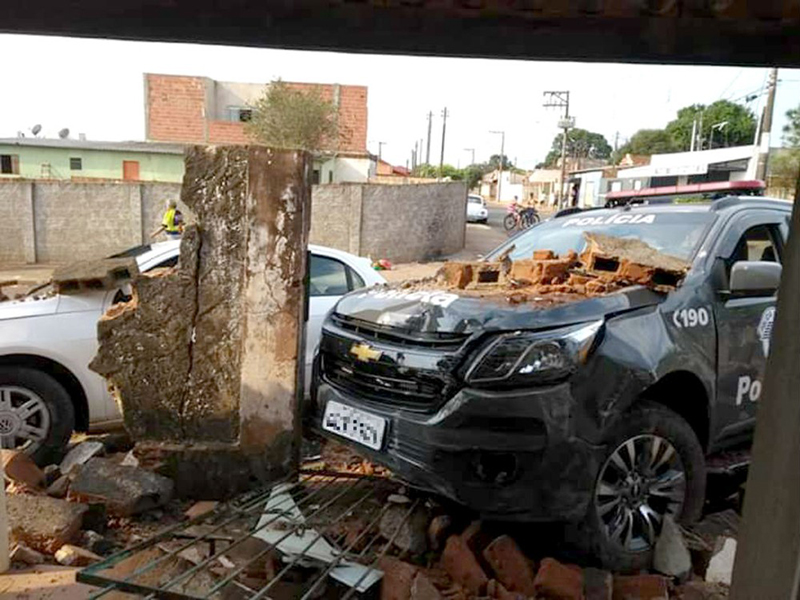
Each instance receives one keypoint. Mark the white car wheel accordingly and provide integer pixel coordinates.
(24, 419)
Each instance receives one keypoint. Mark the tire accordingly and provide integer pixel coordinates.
(642, 426)
(509, 222)
(43, 429)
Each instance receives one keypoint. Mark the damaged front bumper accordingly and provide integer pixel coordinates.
(511, 455)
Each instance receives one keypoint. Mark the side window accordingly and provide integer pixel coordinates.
(328, 277)
(757, 243)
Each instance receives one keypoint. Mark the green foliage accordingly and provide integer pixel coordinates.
(494, 163)
(646, 142)
(471, 174)
(294, 119)
(791, 131)
(784, 169)
(580, 144)
(739, 131)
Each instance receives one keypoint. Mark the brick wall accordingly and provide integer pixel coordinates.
(176, 112)
(62, 221)
(175, 108)
(404, 223)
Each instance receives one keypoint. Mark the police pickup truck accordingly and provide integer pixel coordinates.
(599, 411)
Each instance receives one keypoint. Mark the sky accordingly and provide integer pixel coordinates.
(95, 87)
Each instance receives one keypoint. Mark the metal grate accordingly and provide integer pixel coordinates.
(319, 532)
(398, 336)
(381, 382)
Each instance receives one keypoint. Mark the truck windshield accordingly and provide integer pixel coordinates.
(677, 234)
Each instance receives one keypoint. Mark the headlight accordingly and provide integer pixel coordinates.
(524, 358)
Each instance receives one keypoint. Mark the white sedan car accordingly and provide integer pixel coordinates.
(46, 388)
(476, 209)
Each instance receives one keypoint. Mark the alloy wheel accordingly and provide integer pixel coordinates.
(24, 419)
(641, 481)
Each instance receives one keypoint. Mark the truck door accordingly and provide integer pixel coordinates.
(744, 324)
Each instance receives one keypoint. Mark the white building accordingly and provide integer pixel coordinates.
(511, 185)
(736, 163)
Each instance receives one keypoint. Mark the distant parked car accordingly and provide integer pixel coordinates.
(476, 209)
(46, 388)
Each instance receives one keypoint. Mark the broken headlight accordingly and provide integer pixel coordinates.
(524, 358)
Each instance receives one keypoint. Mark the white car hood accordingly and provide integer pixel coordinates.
(33, 307)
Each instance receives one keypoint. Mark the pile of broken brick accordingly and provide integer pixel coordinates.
(474, 566)
(75, 512)
(607, 264)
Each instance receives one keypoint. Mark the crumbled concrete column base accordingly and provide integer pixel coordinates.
(207, 356)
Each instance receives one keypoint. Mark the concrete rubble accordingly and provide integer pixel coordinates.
(123, 490)
(42, 523)
(103, 274)
(608, 264)
(203, 358)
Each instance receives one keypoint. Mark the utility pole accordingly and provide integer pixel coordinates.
(473, 154)
(561, 100)
(616, 142)
(444, 129)
(694, 135)
(502, 160)
(428, 151)
(766, 126)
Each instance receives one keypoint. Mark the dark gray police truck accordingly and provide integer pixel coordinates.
(599, 411)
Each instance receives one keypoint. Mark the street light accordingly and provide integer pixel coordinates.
(719, 127)
(473, 154)
(502, 135)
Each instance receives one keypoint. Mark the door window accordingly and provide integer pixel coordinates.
(330, 277)
(757, 243)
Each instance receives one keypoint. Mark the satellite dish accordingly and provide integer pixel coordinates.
(36, 129)
(64, 133)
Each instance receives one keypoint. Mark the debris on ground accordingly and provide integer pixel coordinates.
(124, 490)
(608, 264)
(21, 553)
(344, 532)
(671, 556)
(20, 468)
(80, 455)
(75, 556)
(43, 523)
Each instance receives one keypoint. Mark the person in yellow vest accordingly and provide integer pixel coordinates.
(172, 223)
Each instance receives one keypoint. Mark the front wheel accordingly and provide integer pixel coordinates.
(36, 414)
(654, 466)
(510, 221)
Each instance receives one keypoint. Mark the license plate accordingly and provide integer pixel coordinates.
(354, 424)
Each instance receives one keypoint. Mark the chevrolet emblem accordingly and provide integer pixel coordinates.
(365, 353)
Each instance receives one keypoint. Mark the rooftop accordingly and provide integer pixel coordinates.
(156, 147)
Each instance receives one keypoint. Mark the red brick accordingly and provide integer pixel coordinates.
(641, 587)
(397, 578)
(461, 564)
(423, 589)
(556, 581)
(496, 590)
(19, 467)
(438, 531)
(597, 584)
(509, 564)
(543, 255)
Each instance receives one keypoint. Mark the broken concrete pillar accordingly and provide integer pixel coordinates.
(209, 355)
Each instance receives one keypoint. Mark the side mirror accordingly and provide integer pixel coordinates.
(748, 277)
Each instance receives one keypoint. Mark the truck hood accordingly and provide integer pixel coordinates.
(437, 311)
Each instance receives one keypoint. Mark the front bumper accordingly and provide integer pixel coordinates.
(512, 455)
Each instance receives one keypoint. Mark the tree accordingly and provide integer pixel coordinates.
(739, 128)
(791, 131)
(580, 144)
(288, 118)
(646, 142)
(494, 163)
